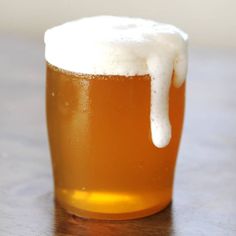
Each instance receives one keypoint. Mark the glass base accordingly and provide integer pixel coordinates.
(115, 211)
(106, 216)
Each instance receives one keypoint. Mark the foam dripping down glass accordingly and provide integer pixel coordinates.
(115, 106)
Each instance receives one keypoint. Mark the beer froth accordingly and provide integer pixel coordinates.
(108, 45)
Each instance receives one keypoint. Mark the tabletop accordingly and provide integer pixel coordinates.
(205, 185)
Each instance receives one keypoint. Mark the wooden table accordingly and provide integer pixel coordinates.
(205, 187)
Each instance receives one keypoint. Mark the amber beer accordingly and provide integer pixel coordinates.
(115, 104)
(104, 162)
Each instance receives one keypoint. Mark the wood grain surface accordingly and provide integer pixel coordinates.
(205, 185)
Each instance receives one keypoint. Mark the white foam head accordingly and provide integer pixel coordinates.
(110, 45)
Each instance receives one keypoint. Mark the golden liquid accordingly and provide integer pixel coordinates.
(104, 162)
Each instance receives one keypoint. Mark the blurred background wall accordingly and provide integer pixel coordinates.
(208, 22)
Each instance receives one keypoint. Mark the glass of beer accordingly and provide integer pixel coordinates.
(115, 103)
